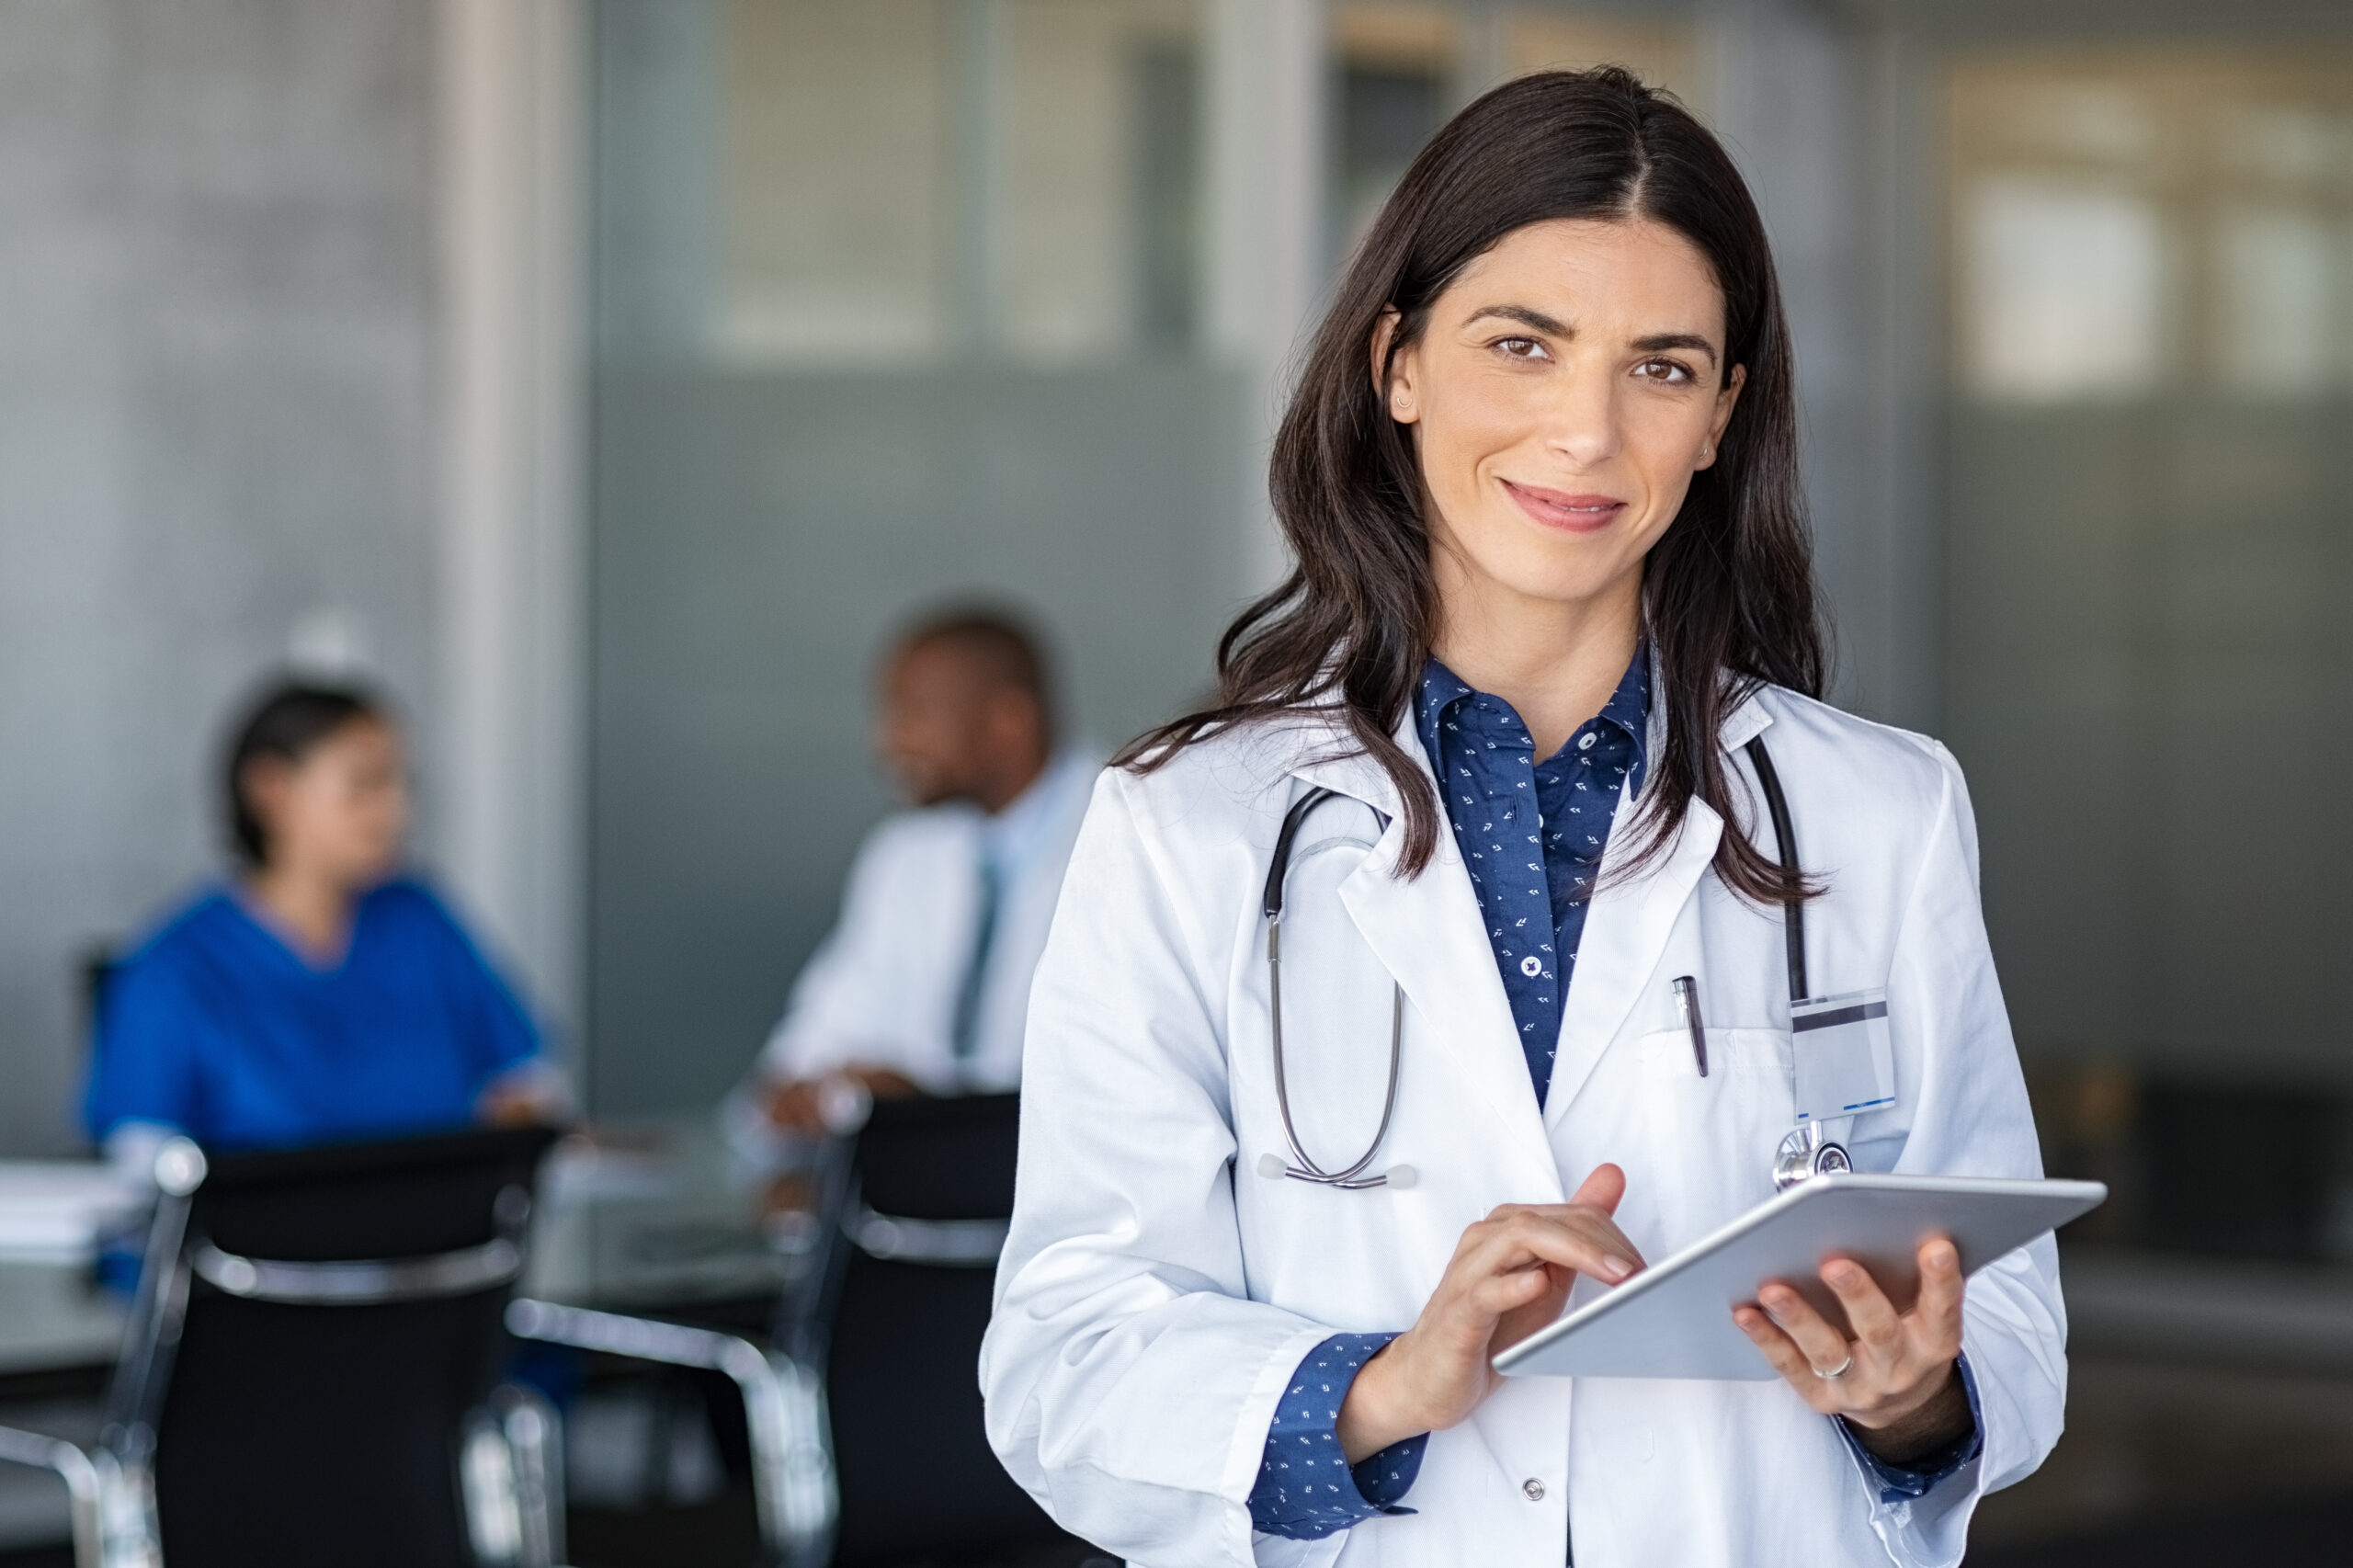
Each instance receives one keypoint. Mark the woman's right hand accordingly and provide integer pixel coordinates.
(1509, 1277)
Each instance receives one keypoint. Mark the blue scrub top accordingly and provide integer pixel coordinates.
(216, 1026)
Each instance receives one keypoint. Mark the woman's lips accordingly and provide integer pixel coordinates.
(1558, 509)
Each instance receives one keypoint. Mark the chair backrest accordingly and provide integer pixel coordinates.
(931, 1189)
(342, 1320)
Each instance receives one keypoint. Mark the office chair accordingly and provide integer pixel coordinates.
(311, 1372)
(865, 1413)
(924, 1218)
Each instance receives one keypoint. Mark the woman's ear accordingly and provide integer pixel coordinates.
(1392, 379)
(263, 783)
(1725, 401)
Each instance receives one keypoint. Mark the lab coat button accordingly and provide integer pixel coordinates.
(1532, 1488)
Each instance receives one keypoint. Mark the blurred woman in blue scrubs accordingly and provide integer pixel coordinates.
(317, 994)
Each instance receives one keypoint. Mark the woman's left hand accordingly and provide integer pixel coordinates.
(1896, 1382)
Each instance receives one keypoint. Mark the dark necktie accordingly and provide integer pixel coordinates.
(966, 1036)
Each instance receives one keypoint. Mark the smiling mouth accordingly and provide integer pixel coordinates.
(1572, 514)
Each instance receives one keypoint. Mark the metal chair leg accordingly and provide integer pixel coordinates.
(784, 1410)
(113, 1504)
(511, 1478)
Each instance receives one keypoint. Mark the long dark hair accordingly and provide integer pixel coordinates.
(1728, 589)
(284, 721)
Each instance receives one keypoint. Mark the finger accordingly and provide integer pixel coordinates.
(1601, 1188)
(1577, 1238)
(1595, 1224)
(1825, 1347)
(1503, 1293)
(1780, 1349)
(1868, 1309)
(1937, 1314)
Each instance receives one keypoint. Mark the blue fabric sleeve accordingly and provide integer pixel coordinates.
(1899, 1482)
(1306, 1488)
(143, 1064)
(498, 1032)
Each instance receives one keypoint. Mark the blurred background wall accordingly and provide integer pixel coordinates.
(216, 438)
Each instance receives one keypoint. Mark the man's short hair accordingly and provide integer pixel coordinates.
(1001, 645)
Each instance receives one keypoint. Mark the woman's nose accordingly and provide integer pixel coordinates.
(1582, 421)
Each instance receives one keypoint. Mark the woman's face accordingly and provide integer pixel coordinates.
(341, 810)
(1567, 386)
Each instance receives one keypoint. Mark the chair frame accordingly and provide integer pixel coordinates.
(510, 1455)
(783, 1388)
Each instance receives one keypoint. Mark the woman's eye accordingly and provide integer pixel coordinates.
(1667, 371)
(1522, 347)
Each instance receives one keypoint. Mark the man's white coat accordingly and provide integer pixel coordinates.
(1156, 1294)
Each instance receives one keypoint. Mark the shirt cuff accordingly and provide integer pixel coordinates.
(1306, 1488)
(1905, 1482)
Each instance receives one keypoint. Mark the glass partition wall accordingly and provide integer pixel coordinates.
(2150, 591)
(896, 301)
(2148, 654)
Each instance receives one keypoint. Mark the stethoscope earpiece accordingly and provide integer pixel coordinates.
(1274, 1167)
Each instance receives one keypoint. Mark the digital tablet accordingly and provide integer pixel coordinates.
(1673, 1320)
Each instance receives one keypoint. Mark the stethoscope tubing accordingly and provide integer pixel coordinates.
(1304, 1168)
(1812, 1154)
(1785, 847)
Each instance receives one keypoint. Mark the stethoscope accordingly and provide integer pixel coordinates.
(1350, 1178)
(1805, 1152)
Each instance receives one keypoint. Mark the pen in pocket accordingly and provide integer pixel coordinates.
(1687, 1002)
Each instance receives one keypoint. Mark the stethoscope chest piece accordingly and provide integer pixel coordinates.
(1804, 1153)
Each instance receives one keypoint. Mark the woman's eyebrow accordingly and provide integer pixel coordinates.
(1526, 317)
(1666, 340)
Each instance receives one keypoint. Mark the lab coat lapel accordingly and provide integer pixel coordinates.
(1428, 933)
(1627, 930)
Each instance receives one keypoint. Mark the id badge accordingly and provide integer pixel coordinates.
(1845, 1063)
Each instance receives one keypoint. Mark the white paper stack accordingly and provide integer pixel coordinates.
(51, 1211)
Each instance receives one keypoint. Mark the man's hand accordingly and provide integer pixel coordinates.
(802, 1105)
(1897, 1382)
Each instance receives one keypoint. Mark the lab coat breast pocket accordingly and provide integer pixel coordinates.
(1711, 1139)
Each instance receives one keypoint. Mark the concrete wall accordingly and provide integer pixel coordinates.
(216, 273)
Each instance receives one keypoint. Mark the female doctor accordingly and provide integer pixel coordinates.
(1539, 477)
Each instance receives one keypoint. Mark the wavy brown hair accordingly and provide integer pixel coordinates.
(1728, 590)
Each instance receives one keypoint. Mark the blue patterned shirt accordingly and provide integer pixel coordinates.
(1532, 837)
(1306, 1488)
(1532, 834)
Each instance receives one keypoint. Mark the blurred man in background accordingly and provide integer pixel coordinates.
(923, 984)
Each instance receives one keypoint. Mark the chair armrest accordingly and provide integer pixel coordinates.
(86, 1477)
(784, 1410)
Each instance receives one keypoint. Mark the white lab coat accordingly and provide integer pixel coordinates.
(882, 990)
(1157, 1292)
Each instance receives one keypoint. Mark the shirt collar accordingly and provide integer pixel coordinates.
(1009, 837)
(1628, 708)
